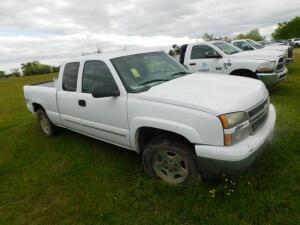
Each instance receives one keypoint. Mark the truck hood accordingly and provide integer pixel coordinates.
(281, 48)
(212, 93)
(260, 54)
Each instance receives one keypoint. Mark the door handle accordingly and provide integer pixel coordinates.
(81, 103)
(192, 64)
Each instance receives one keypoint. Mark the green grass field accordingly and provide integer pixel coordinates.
(73, 179)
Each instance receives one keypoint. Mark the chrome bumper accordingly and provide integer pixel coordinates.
(271, 79)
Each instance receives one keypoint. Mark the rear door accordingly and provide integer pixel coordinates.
(198, 61)
(67, 97)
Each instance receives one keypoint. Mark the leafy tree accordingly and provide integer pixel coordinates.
(252, 34)
(2, 74)
(287, 30)
(55, 69)
(207, 37)
(34, 68)
(15, 72)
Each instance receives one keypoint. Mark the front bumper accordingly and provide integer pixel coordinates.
(271, 79)
(235, 159)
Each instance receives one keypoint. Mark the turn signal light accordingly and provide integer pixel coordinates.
(224, 121)
(227, 139)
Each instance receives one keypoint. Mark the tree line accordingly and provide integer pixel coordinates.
(29, 69)
(252, 34)
(286, 30)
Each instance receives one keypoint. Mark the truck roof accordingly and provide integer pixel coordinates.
(112, 55)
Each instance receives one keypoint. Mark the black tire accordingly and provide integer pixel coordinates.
(297, 45)
(181, 167)
(46, 126)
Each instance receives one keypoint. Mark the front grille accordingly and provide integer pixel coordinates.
(281, 60)
(282, 76)
(258, 115)
(290, 53)
(280, 64)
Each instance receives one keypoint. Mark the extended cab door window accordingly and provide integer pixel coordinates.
(201, 51)
(69, 82)
(238, 44)
(95, 73)
(67, 97)
(243, 45)
(204, 58)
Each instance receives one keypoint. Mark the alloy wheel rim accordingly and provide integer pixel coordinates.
(170, 166)
(45, 125)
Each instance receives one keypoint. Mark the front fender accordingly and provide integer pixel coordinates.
(188, 132)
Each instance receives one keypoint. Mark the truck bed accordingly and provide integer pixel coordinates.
(43, 94)
(44, 84)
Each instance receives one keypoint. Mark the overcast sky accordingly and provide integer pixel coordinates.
(53, 30)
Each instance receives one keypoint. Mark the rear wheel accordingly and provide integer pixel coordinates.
(172, 161)
(46, 126)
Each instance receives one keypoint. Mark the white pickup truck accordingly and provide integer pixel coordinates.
(222, 57)
(296, 42)
(185, 125)
(248, 44)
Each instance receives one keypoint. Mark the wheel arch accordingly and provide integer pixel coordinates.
(244, 73)
(37, 106)
(144, 134)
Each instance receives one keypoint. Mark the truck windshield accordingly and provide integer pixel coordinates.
(227, 48)
(142, 71)
(254, 44)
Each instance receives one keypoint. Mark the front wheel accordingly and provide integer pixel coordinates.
(172, 161)
(46, 126)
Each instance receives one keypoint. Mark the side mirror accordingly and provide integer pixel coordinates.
(212, 55)
(105, 90)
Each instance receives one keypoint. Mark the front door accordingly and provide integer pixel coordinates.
(202, 60)
(103, 118)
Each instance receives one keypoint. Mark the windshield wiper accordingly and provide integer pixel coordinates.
(151, 81)
(180, 73)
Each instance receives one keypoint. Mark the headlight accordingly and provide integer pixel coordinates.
(267, 67)
(236, 127)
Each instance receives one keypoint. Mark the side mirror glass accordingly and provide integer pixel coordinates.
(105, 90)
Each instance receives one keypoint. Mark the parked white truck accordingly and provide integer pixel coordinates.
(222, 57)
(296, 42)
(183, 124)
(248, 44)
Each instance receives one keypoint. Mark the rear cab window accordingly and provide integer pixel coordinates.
(70, 75)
